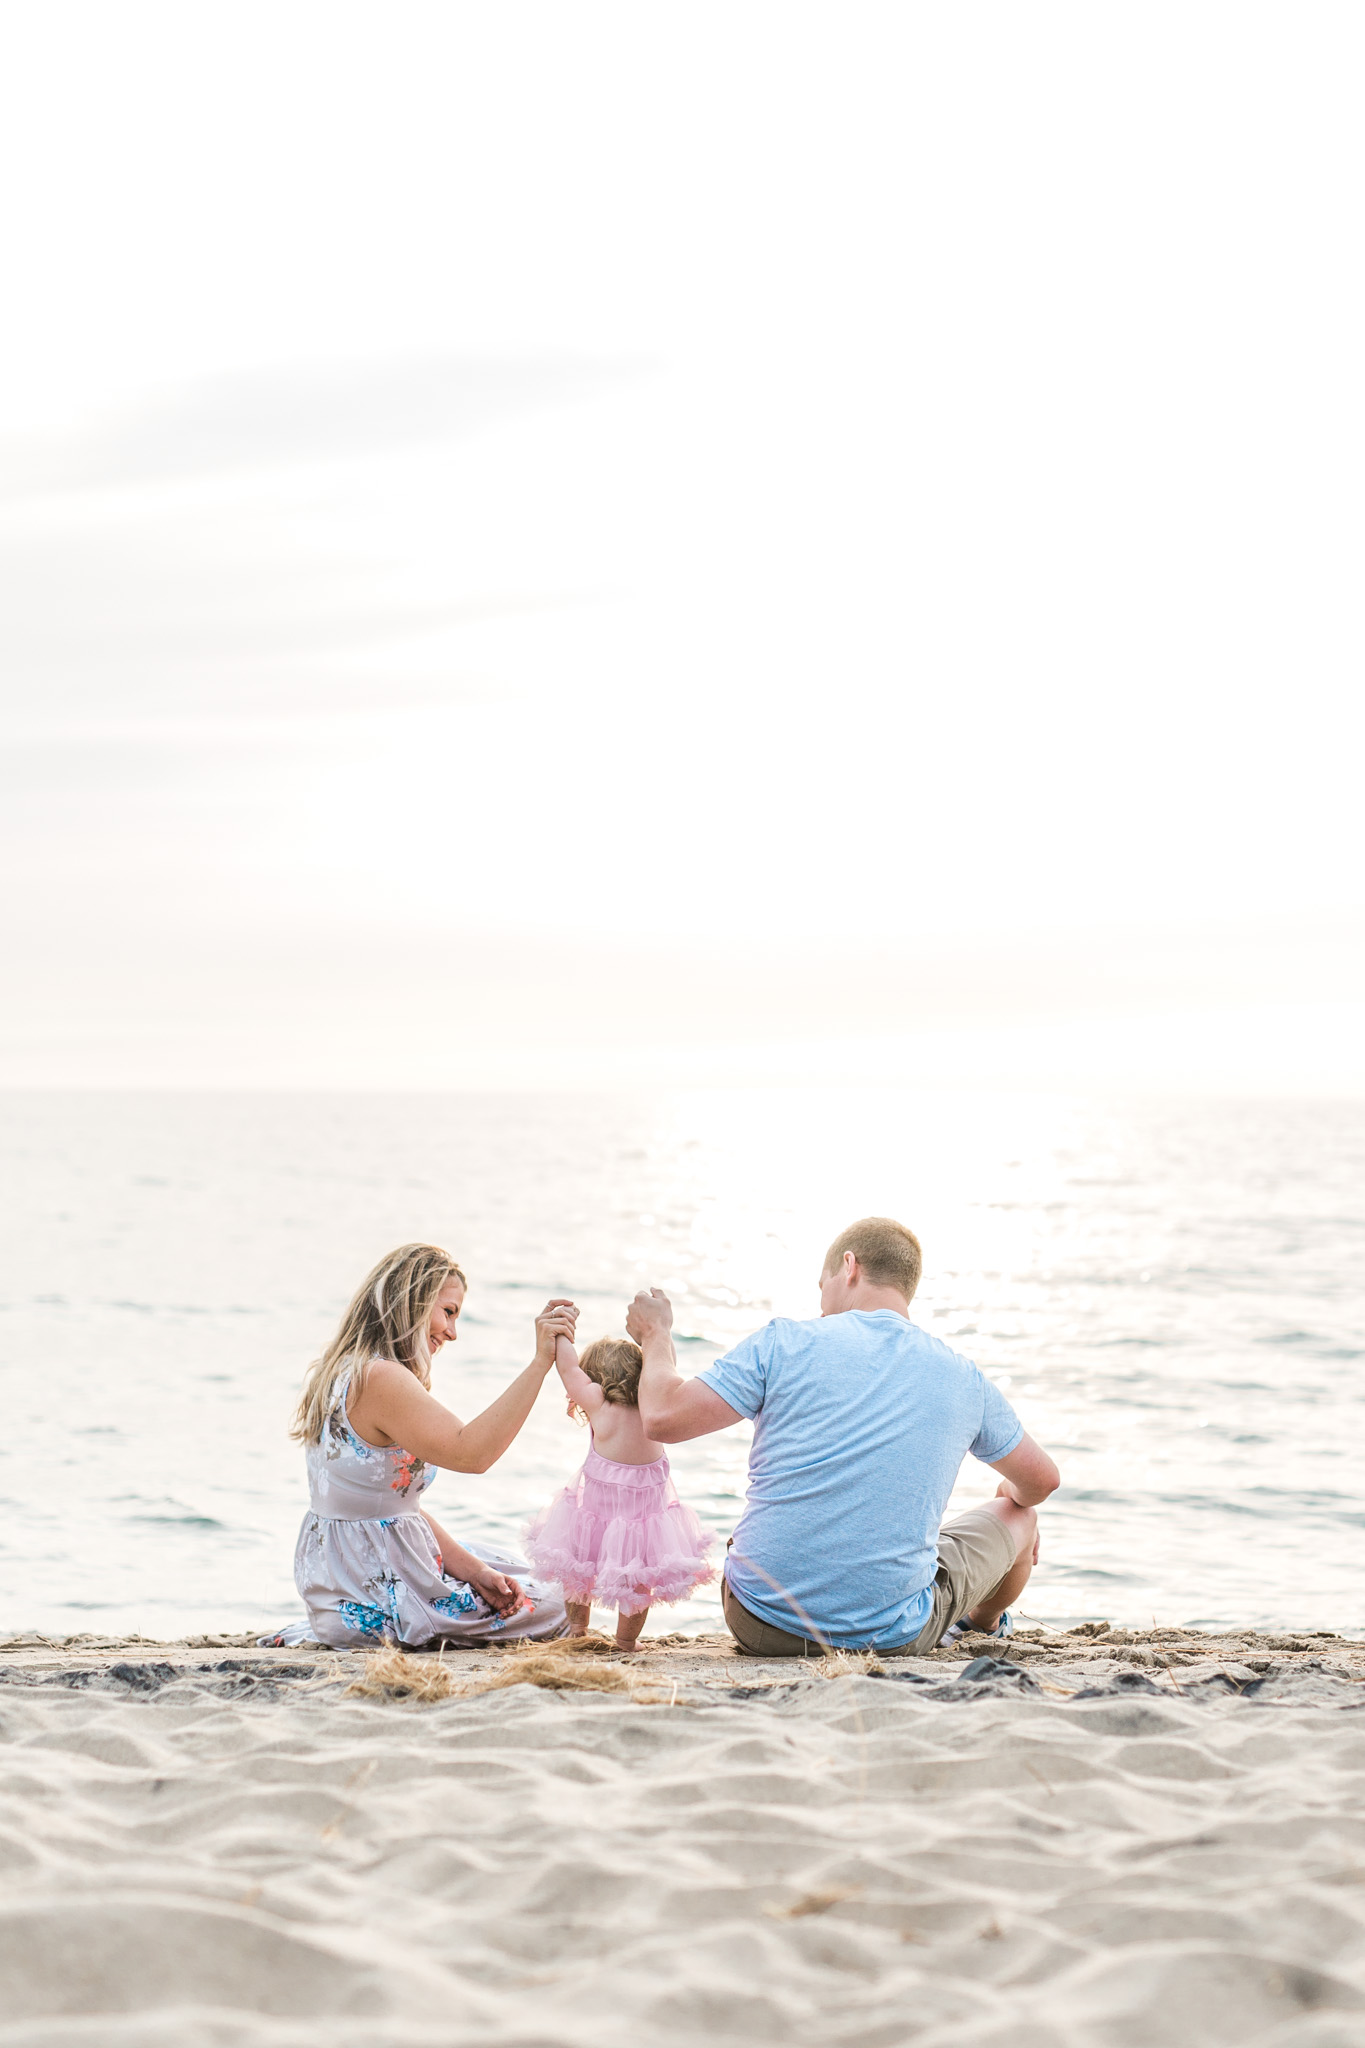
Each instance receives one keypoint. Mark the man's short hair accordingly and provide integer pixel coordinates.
(888, 1253)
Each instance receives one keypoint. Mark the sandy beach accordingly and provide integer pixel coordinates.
(1098, 1838)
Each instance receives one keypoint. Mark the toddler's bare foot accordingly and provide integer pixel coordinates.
(629, 1628)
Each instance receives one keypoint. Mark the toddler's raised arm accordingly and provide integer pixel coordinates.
(582, 1392)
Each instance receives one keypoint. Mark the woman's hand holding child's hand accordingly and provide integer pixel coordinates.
(556, 1319)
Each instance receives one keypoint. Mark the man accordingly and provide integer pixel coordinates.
(861, 1422)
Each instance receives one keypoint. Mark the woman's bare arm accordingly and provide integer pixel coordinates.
(499, 1589)
(394, 1407)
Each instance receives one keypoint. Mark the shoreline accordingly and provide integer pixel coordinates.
(1088, 1652)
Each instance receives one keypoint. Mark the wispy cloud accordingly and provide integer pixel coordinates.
(305, 413)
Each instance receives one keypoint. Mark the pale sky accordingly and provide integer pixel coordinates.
(558, 544)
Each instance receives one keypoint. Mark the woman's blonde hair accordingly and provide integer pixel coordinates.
(387, 1318)
(614, 1362)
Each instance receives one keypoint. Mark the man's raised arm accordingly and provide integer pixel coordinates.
(672, 1409)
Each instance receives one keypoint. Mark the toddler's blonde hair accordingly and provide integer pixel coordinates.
(615, 1363)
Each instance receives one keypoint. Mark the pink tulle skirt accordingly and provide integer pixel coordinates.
(618, 1534)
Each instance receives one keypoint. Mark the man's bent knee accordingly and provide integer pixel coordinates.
(1021, 1522)
(1024, 1528)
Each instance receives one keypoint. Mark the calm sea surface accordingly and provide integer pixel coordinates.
(1170, 1293)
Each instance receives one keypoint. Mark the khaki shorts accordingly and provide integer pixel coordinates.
(975, 1550)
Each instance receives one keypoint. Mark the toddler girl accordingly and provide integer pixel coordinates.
(618, 1533)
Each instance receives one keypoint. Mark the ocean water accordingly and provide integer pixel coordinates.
(1171, 1293)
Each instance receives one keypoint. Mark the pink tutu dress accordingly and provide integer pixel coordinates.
(619, 1535)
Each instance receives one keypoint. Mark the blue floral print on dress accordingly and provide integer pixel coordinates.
(463, 1600)
(366, 1621)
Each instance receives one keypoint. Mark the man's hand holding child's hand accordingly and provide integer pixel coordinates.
(649, 1315)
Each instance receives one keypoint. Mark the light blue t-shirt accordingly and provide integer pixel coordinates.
(861, 1423)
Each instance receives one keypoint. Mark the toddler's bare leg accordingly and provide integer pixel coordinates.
(628, 1628)
(580, 1614)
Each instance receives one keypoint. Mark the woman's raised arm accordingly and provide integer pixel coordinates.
(395, 1406)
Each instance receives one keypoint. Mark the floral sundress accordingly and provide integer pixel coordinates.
(368, 1567)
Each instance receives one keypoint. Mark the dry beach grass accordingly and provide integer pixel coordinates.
(1110, 1840)
(558, 1667)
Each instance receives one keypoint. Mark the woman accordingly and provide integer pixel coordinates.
(371, 1564)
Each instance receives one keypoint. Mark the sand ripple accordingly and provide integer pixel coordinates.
(844, 1862)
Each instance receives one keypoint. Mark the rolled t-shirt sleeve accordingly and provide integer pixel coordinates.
(1001, 1430)
(741, 1376)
